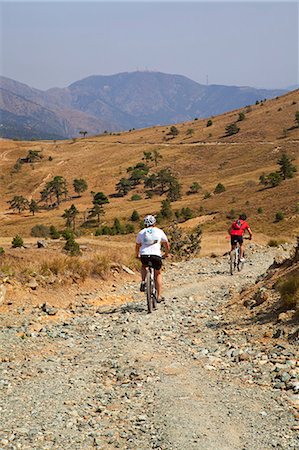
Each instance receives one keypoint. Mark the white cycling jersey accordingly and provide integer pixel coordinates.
(150, 239)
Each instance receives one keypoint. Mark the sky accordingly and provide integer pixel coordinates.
(47, 44)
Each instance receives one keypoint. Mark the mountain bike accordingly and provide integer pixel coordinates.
(235, 259)
(150, 288)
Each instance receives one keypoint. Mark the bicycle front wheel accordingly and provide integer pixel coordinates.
(149, 292)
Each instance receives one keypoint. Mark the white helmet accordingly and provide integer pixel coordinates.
(149, 220)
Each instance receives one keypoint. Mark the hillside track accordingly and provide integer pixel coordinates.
(116, 377)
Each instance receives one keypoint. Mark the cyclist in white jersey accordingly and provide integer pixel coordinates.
(148, 247)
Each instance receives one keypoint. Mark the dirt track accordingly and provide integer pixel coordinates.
(116, 377)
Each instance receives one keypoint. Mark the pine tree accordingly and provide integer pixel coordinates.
(287, 169)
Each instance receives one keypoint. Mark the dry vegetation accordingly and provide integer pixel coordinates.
(203, 155)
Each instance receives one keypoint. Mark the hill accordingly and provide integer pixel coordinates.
(115, 102)
(202, 155)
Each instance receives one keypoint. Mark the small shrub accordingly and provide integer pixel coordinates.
(207, 195)
(273, 243)
(2, 251)
(279, 216)
(219, 188)
(241, 117)
(71, 246)
(54, 233)
(260, 210)
(40, 231)
(194, 188)
(136, 197)
(50, 158)
(135, 216)
(17, 242)
(98, 232)
(231, 129)
(209, 123)
(289, 291)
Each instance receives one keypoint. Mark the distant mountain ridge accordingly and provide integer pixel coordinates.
(115, 102)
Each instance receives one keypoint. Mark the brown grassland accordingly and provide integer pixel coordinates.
(203, 155)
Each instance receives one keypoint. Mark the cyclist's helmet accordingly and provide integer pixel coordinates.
(149, 220)
(243, 217)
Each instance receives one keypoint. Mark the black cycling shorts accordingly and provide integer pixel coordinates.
(156, 261)
(234, 238)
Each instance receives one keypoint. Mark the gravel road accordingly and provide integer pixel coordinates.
(181, 378)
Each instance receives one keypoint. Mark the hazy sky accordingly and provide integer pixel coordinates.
(47, 44)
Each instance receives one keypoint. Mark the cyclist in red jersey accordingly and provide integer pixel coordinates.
(236, 231)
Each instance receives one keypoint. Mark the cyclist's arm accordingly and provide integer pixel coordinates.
(137, 248)
(166, 246)
(250, 232)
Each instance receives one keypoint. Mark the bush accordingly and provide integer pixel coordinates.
(194, 188)
(136, 197)
(71, 246)
(289, 291)
(241, 117)
(209, 123)
(207, 195)
(17, 242)
(54, 233)
(279, 216)
(273, 243)
(231, 129)
(184, 245)
(219, 188)
(260, 210)
(40, 231)
(2, 251)
(135, 216)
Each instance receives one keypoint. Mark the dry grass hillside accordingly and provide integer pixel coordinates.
(196, 154)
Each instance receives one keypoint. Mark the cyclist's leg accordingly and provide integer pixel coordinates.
(241, 242)
(158, 280)
(143, 271)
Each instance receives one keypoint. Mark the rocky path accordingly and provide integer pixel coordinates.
(180, 378)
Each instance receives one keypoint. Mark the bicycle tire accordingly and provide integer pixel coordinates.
(149, 292)
(232, 261)
(154, 290)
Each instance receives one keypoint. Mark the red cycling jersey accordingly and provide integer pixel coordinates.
(241, 230)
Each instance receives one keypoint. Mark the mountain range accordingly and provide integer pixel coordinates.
(113, 103)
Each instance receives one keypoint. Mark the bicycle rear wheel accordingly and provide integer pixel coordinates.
(232, 261)
(149, 292)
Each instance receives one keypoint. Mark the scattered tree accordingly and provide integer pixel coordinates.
(173, 131)
(18, 203)
(83, 133)
(287, 169)
(70, 216)
(209, 123)
(33, 207)
(123, 186)
(231, 129)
